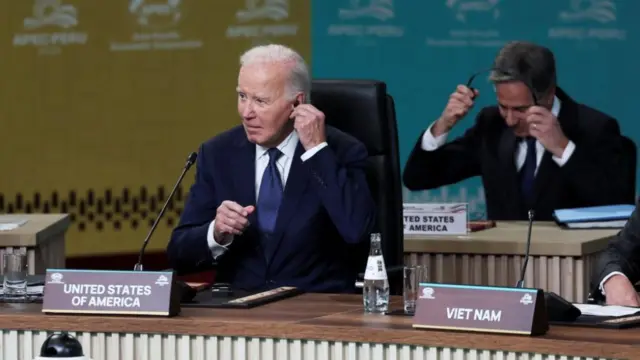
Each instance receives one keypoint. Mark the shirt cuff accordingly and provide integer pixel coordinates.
(607, 278)
(566, 154)
(216, 248)
(430, 143)
(309, 153)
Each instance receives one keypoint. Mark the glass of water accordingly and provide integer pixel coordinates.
(412, 275)
(15, 276)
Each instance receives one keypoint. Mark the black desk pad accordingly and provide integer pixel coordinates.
(32, 280)
(239, 299)
(604, 322)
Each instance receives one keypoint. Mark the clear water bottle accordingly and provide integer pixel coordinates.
(375, 291)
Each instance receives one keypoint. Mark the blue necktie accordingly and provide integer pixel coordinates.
(527, 173)
(270, 195)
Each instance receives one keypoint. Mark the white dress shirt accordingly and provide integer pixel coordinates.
(288, 149)
(430, 143)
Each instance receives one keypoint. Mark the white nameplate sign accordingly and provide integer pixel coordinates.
(435, 219)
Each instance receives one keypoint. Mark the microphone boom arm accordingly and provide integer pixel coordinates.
(190, 161)
(520, 283)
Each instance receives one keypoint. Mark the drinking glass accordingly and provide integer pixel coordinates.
(412, 275)
(15, 276)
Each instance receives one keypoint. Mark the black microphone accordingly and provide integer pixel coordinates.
(190, 161)
(520, 283)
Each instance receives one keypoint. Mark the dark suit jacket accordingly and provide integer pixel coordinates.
(594, 175)
(326, 211)
(622, 254)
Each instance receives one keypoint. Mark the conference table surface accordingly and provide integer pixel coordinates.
(328, 317)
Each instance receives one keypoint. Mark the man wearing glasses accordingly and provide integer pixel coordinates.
(537, 149)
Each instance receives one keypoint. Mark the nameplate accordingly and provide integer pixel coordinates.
(111, 292)
(435, 219)
(481, 308)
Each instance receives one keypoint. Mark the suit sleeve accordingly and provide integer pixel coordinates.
(622, 253)
(597, 171)
(448, 164)
(342, 187)
(188, 249)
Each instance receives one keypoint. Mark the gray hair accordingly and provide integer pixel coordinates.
(299, 78)
(527, 62)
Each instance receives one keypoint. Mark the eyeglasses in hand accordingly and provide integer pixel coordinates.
(509, 73)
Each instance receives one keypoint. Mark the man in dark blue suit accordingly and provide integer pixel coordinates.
(281, 200)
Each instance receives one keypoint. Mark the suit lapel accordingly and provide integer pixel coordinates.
(294, 188)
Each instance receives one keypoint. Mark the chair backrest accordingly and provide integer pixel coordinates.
(630, 151)
(363, 109)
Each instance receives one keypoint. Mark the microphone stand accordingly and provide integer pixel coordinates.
(190, 161)
(520, 283)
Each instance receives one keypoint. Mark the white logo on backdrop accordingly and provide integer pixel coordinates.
(461, 8)
(588, 20)
(602, 11)
(485, 34)
(50, 13)
(274, 10)
(157, 14)
(377, 10)
(158, 23)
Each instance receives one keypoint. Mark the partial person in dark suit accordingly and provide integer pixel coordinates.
(559, 154)
(281, 200)
(618, 267)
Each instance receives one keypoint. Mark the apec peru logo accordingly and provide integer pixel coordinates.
(588, 20)
(159, 26)
(462, 9)
(368, 19)
(277, 11)
(50, 28)
(377, 9)
(473, 25)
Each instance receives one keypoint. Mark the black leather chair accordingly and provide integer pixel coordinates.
(363, 109)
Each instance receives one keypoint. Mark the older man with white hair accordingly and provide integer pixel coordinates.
(281, 200)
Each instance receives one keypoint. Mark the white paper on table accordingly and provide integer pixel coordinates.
(606, 310)
(11, 223)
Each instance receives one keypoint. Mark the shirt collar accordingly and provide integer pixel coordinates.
(287, 146)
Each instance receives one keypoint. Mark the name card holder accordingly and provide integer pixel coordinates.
(481, 309)
(435, 219)
(150, 293)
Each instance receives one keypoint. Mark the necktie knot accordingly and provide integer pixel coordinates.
(274, 155)
(531, 141)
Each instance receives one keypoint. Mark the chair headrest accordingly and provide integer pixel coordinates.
(357, 107)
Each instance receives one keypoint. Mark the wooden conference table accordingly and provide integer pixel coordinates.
(309, 326)
(560, 260)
